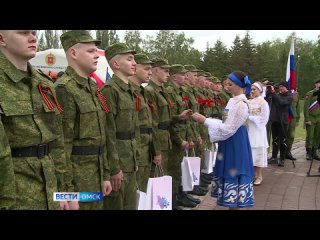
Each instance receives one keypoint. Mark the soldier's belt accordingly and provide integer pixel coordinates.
(87, 150)
(125, 135)
(145, 130)
(163, 126)
(39, 151)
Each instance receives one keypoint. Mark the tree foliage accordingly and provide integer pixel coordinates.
(264, 60)
(107, 37)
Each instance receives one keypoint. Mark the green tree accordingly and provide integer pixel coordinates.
(107, 37)
(235, 54)
(248, 55)
(133, 40)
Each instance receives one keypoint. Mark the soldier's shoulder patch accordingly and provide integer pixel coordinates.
(63, 80)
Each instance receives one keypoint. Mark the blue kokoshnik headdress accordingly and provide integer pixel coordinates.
(236, 80)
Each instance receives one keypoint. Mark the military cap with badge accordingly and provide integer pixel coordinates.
(70, 38)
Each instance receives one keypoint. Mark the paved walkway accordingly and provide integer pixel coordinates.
(283, 188)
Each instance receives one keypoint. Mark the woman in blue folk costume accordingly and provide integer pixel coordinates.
(234, 166)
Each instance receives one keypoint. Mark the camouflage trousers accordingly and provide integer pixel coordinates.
(35, 183)
(143, 175)
(176, 155)
(125, 198)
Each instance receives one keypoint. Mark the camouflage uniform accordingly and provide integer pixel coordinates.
(7, 189)
(294, 121)
(161, 104)
(123, 134)
(31, 139)
(83, 122)
(149, 146)
(178, 130)
(313, 130)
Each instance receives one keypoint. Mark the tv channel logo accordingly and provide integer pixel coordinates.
(78, 196)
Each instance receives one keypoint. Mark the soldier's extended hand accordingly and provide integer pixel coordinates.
(308, 123)
(199, 141)
(116, 181)
(185, 114)
(74, 205)
(157, 159)
(107, 188)
(191, 144)
(184, 145)
(198, 117)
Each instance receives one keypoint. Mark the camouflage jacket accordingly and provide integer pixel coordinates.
(83, 125)
(123, 119)
(27, 120)
(178, 130)
(161, 112)
(145, 120)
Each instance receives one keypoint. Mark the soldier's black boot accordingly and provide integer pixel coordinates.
(315, 155)
(309, 154)
(283, 153)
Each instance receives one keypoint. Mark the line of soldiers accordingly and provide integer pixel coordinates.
(74, 137)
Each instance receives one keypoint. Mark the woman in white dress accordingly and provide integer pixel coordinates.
(258, 119)
(234, 166)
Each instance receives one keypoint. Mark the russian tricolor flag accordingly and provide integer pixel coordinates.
(291, 76)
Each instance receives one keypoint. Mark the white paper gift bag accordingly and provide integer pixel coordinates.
(187, 176)
(141, 200)
(195, 163)
(210, 157)
(159, 193)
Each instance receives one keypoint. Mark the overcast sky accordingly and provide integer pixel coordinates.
(201, 37)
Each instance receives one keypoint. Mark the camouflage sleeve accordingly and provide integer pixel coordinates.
(156, 147)
(7, 179)
(68, 122)
(306, 106)
(298, 110)
(58, 155)
(190, 131)
(112, 153)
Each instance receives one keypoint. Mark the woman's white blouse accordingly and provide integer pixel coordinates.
(259, 111)
(237, 114)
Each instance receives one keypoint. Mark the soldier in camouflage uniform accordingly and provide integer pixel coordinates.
(160, 105)
(31, 140)
(293, 124)
(178, 134)
(122, 128)
(149, 150)
(83, 118)
(312, 122)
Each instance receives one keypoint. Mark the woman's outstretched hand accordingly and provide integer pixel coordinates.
(198, 117)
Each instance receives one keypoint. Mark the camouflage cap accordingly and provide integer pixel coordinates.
(208, 74)
(70, 38)
(202, 73)
(191, 68)
(160, 62)
(141, 58)
(117, 49)
(177, 68)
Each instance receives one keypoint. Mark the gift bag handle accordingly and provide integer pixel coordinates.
(158, 169)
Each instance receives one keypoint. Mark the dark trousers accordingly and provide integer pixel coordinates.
(279, 139)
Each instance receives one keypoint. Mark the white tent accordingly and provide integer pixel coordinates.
(54, 60)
